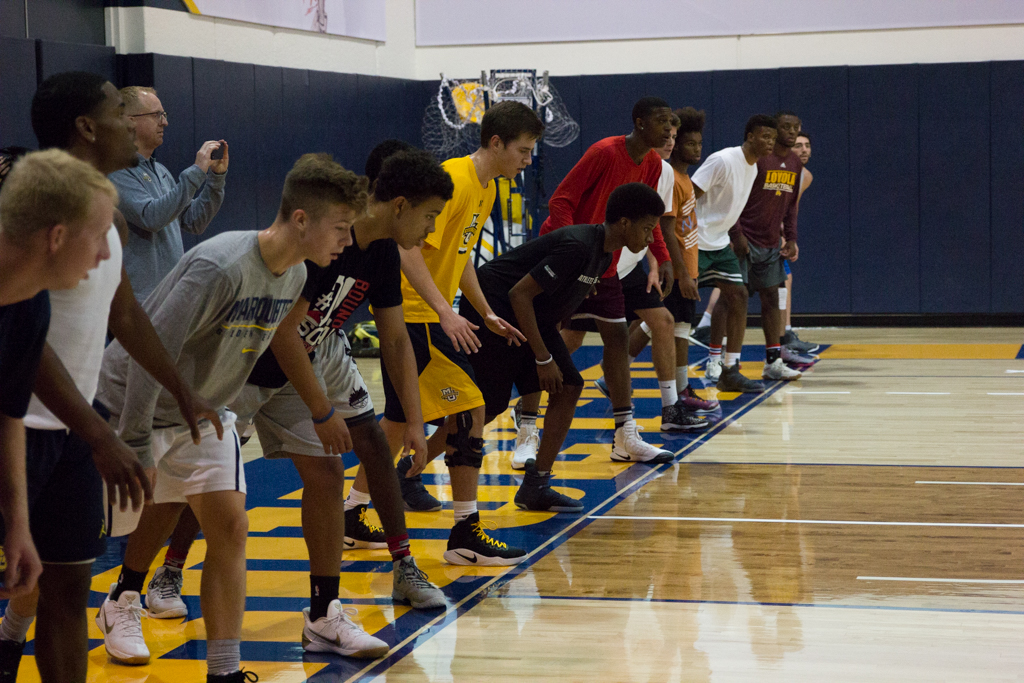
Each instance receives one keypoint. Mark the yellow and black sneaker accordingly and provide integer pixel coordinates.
(470, 545)
(363, 340)
(360, 532)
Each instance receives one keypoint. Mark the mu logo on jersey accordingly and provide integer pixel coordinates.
(449, 394)
(469, 233)
(779, 181)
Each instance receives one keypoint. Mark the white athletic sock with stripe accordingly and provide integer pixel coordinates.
(705, 320)
(669, 395)
(682, 377)
(464, 508)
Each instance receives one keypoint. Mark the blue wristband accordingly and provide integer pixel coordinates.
(325, 418)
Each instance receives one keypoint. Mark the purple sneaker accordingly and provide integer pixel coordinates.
(696, 404)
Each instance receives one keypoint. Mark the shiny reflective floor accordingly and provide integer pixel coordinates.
(865, 523)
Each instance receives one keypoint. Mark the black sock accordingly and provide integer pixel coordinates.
(772, 354)
(322, 589)
(128, 581)
(621, 415)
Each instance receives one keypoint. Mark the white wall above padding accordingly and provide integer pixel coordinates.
(472, 22)
(354, 18)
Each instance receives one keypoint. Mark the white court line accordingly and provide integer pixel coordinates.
(918, 393)
(1006, 393)
(974, 483)
(913, 578)
(1012, 371)
(796, 391)
(807, 521)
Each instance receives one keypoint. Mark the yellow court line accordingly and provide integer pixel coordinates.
(191, 6)
(923, 351)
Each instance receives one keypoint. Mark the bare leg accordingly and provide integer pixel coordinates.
(663, 348)
(616, 365)
(185, 533)
(558, 419)
(719, 322)
(789, 300)
(771, 316)
(371, 447)
(323, 514)
(62, 635)
(156, 524)
(735, 296)
(222, 593)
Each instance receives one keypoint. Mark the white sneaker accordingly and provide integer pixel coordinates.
(713, 370)
(121, 625)
(163, 595)
(629, 447)
(779, 370)
(527, 443)
(338, 634)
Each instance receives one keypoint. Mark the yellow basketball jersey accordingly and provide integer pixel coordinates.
(450, 246)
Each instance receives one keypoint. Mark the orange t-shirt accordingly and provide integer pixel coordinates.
(684, 208)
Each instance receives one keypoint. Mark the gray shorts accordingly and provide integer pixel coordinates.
(284, 423)
(763, 268)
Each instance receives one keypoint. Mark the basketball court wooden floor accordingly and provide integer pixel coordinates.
(863, 524)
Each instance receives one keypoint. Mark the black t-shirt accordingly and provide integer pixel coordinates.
(23, 329)
(334, 293)
(567, 263)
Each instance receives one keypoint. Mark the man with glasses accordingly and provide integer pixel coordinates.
(156, 206)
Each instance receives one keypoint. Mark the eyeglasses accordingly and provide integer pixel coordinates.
(158, 114)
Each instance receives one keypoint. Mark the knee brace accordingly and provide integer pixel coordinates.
(469, 450)
(682, 330)
(782, 298)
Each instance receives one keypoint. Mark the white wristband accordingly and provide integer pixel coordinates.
(544, 362)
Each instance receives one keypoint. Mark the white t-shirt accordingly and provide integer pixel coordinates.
(627, 259)
(78, 330)
(726, 179)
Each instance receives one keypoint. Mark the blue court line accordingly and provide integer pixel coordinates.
(477, 596)
(754, 603)
(1020, 354)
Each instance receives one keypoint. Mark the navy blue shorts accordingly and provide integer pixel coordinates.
(65, 496)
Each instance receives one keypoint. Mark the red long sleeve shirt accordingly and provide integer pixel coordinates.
(583, 193)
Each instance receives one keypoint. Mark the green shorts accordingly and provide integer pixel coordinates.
(717, 266)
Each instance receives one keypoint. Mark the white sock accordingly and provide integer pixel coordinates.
(464, 508)
(731, 359)
(705, 319)
(356, 498)
(14, 626)
(222, 657)
(682, 377)
(789, 328)
(669, 395)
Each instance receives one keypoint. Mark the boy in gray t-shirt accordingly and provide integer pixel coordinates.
(216, 313)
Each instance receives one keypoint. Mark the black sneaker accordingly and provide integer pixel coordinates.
(415, 495)
(677, 418)
(535, 493)
(701, 336)
(732, 380)
(237, 677)
(10, 660)
(360, 532)
(469, 544)
(793, 341)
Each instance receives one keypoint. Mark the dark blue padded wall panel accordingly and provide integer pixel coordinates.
(273, 160)
(1007, 186)
(954, 187)
(225, 108)
(338, 129)
(821, 280)
(374, 119)
(736, 96)
(688, 89)
(18, 83)
(57, 57)
(884, 189)
(608, 105)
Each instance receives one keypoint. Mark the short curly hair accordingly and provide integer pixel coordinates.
(415, 175)
(317, 181)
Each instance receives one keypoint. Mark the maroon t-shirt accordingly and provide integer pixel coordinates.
(771, 208)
